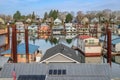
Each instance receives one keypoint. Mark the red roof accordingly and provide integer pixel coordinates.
(84, 36)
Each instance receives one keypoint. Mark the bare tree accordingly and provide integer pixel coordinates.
(80, 16)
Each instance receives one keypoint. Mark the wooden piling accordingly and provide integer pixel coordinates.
(14, 44)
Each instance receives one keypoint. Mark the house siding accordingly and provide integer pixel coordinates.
(93, 60)
(58, 58)
(96, 49)
(117, 47)
(21, 59)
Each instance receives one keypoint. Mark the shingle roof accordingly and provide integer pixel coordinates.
(3, 60)
(60, 48)
(21, 49)
(74, 71)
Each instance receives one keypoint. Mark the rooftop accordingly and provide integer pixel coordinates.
(72, 71)
(62, 49)
(84, 36)
(22, 50)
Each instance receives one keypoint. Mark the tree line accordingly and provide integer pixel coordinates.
(55, 14)
(107, 14)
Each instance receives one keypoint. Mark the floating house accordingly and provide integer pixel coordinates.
(70, 29)
(21, 52)
(90, 47)
(44, 29)
(60, 54)
(57, 29)
(81, 29)
(115, 42)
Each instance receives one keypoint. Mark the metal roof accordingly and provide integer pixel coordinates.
(22, 50)
(102, 38)
(74, 71)
(3, 60)
(115, 41)
(63, 49)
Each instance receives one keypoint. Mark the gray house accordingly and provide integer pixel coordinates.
(56, 71)
(60, 53)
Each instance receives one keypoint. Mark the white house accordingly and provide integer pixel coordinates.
(70, 29)
(118, 30)
(90, 47)
(57, 22)
(95, 20)
(57, 29)
(116, 45)
(28, 20)
(82, 29)
(19, 26)
(68, 24)
(33, 28)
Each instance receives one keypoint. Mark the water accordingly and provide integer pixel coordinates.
(51, 41)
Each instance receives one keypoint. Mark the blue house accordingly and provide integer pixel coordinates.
(21, 52)
(115, 42)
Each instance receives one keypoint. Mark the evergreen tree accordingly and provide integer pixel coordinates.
(69, 18)
(33, 16)
(17, 15)
(53, 14)
(45, 15)
(50, 13)
(23, 17)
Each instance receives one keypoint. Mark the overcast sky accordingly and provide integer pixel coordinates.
(41, 6)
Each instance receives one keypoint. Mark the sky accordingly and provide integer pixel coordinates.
(9, 7)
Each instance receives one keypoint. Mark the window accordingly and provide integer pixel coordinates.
(50, 72)
(63, 72)
(91, 41)
(23, 56)
(57, 72)
(85, 41)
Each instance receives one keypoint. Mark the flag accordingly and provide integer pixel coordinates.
(14, 74)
